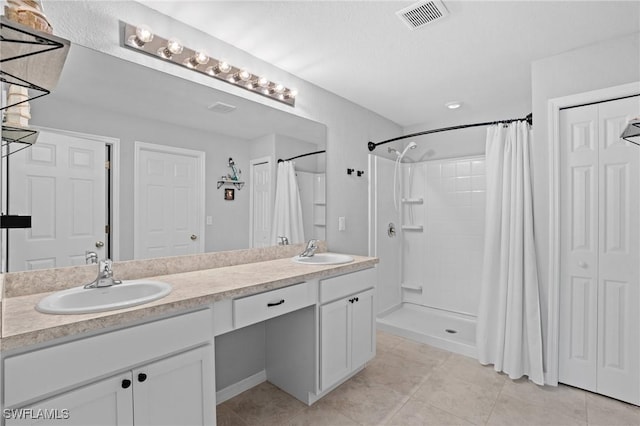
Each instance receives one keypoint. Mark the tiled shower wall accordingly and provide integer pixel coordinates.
(445, 257)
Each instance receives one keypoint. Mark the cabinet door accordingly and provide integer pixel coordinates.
(176, 391)
(107, 402)
(335, 342)
(363, 336)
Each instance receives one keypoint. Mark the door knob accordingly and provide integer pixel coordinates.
(194, 237)
(99, 244)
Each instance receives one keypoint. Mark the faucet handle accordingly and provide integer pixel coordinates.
(90, 257)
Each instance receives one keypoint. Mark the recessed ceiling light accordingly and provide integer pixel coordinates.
(453, 105)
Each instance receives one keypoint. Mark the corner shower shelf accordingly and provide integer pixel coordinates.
(412, 287)
(412, 200)
(416, 228)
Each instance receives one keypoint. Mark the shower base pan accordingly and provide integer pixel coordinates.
(442, 329)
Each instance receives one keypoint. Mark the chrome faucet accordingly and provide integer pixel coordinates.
(312, 246)
(284, 241)
(105, 276)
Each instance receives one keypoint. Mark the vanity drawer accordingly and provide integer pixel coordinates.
(344, 285)
(259, 307)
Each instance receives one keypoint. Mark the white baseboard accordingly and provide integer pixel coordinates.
(241, 386)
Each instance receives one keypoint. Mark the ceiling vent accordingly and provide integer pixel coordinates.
(422, 13)
(221, 108)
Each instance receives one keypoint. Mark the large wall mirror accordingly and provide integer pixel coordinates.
(135, 163)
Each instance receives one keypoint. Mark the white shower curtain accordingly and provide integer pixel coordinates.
(509, 329)
(287, 215)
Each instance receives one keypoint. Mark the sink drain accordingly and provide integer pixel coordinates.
(450, 330)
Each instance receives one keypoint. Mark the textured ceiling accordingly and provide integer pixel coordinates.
(480, 54)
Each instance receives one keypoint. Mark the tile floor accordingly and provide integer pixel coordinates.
(409, 383)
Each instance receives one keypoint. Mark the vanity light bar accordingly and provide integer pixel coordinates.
(141, 39)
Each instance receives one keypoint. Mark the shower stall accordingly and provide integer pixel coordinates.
(427, 227)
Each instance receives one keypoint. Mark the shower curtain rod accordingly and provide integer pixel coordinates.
(528, 119)
(280, 160)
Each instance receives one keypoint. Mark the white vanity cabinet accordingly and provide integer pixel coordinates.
(159, 373)
(347, 325)
(167, 392)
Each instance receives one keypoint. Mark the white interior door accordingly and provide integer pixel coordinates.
(599, 251)
(60, 182)
(169, 201)
(261, 203)
(618, 372)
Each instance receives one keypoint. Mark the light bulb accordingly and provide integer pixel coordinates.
(224, 66)
(453, 105)
(279, 88)
(244, 75)
(292, 93)
(263, 81)
(174, 47)
(200, 58)
(143, 35)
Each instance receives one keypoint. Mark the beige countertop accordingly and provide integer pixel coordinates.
(22, 325)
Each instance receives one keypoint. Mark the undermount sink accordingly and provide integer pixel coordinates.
(324, 259)
(79, 300)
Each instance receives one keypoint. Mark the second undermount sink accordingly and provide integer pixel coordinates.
(80, 300)
(324, 259)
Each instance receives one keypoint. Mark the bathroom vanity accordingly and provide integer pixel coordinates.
(155, 363)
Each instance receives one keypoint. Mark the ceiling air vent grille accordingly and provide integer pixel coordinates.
(422, 13)
(222, 108)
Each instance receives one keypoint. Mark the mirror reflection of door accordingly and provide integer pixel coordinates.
(169, 201)
(261, 202)
(61, 181)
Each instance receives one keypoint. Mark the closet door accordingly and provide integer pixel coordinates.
(618, 372)
(599, 251)
(578, 246)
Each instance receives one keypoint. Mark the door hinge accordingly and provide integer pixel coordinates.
(107, 165)
(106, 229)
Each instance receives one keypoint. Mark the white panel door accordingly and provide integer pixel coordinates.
(169, 202)
(107, 402)
(619, 254)
(600, 254)
(261, 204)
(578, 246)
(60, 182)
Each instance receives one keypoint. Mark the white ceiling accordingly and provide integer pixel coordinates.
(480, 54)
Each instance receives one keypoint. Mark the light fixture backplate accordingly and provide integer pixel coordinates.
(158, 42)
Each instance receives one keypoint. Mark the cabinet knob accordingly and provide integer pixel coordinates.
(142, 377)
(357, 299)
(126, 383)
(582, 264)
(99, 244)
(194, 237)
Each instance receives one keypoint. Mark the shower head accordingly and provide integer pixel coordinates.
(412, 145)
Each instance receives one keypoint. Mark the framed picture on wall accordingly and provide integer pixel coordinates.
(229, 194)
